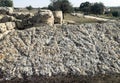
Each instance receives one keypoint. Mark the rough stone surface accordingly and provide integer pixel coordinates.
(10, 25)
(44, 16)
(7, 18)
(58, 16)
(22, 15)
(2, 27)
(6, 10)
(25, 20)
(85, 49)
(7, 26)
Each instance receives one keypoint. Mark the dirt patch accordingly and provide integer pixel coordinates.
(114, 78)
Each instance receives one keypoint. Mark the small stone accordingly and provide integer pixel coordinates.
(2, 27)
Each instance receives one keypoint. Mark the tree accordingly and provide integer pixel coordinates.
(85, 7)
(6, 3)
(29, 7)
(63, 5)
(115, 13)
(97, 8)
(76, 9)
(54, 5)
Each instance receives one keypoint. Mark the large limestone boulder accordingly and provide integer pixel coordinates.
(58, 16)
(44, 16)
(6, 10)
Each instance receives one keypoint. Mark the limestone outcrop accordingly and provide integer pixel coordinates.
(25, 20)
(86, 49)
(7, 26)
(6, 10)
(22, 15)
(58, 16)
(7, 18)
(44, 17)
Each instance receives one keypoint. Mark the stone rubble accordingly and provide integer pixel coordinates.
(7, 26)
(10, 20)
(6, 10)
(25, 20)
(86, 49)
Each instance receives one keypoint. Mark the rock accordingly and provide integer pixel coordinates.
(10, 25)
(84, 49)
(58, 16)
(7, 26)
(2, 27)
(44, 16)
(19, 24)
(22, 15)
(23, 19)
(6, 10)
(7, 18)
(23, 24)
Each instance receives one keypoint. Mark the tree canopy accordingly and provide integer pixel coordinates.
(63, 5)
(6, 3)
(95, 8)
(29, 7)
(85, 7)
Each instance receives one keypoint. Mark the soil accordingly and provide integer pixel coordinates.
(115, 78)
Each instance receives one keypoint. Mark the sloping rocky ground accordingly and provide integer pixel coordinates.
(86, 49)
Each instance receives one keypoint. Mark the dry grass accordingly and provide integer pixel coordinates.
(79, 20)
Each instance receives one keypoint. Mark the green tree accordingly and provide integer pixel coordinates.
(97, 8)
(63, 5)
(76, 9)
(6, 3)
(85, 7)
(115, 13)
(29, 7)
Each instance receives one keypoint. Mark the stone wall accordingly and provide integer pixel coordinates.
(86, 49)
(25, 20)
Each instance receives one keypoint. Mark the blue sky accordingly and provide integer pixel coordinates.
(75, 3)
